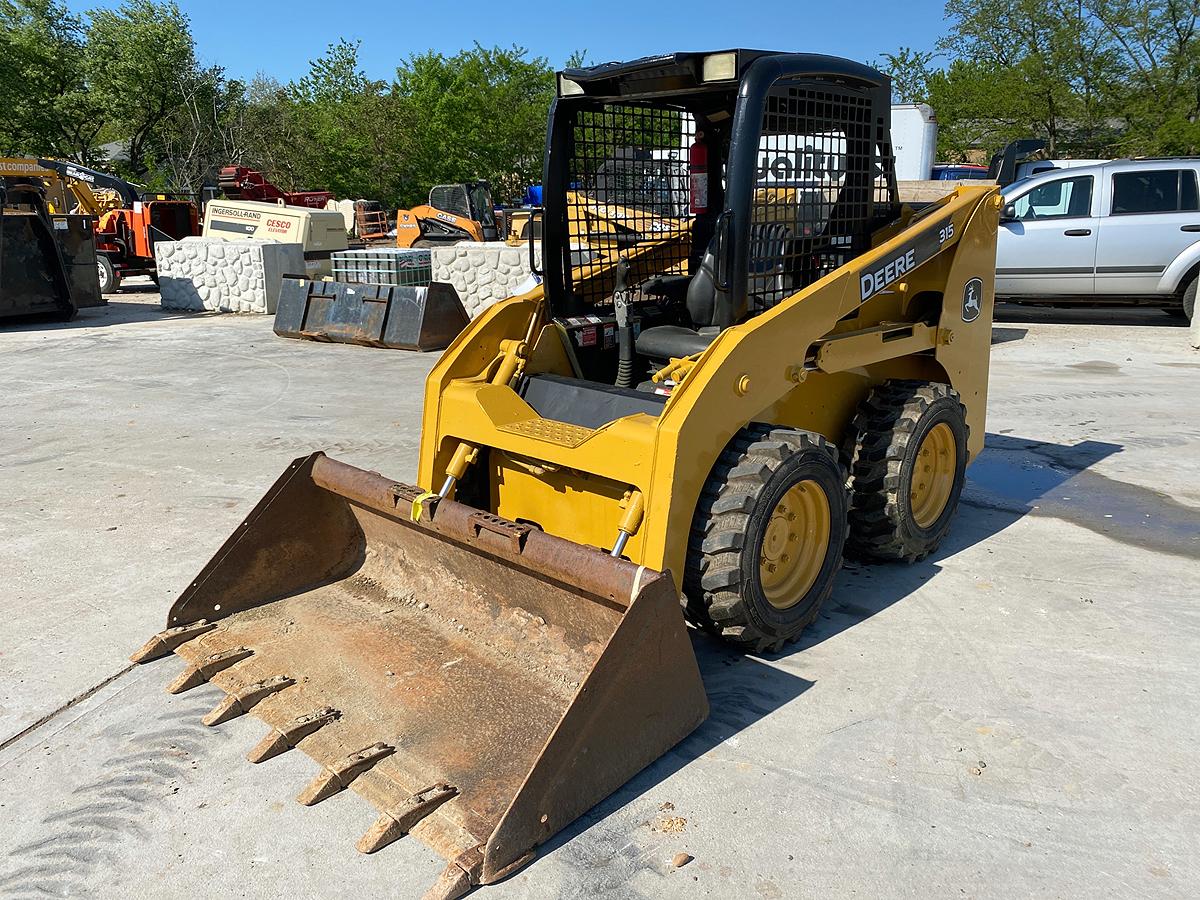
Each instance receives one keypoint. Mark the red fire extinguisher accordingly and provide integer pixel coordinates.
(698, 172)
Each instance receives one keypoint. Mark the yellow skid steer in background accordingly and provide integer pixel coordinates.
(766, 363)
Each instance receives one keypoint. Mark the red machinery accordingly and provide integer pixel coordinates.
(240, 183)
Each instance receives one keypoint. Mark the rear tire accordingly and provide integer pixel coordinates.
(767, 537)
(907, 456)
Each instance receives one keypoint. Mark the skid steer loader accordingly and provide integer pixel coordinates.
(455, 212)
(752, 370)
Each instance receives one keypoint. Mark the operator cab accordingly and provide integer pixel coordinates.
(688, 192)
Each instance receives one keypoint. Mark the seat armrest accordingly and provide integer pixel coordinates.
(673, 287)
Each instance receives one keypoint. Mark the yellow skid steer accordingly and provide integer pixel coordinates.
(763, 363)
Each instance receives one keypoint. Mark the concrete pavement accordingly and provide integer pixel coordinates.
(1011, 717)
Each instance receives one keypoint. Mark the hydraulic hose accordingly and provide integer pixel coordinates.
(625, 354)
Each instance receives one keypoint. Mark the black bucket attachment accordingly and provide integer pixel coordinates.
(376, 315)
(33, 278)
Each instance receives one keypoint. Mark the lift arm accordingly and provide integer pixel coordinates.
(73, 172)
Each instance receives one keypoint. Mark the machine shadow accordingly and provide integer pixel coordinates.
(114, 312)
(742, 689)
(1001, 335)
(1004, 484)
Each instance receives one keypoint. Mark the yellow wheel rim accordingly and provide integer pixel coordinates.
(933, 475)
(794, 544)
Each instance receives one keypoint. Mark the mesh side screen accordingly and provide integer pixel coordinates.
(451, 198)
(628, 193)
(816, 191)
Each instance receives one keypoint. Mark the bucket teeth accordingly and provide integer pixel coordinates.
(165, 642)
(280, 740)
(459, 876)
(196, 675)
(337, 777)
(243, 701)
(397, 822)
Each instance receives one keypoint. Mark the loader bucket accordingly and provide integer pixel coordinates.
(33, 278)
(479, 681)
(376, 315)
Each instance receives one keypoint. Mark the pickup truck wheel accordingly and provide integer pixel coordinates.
(767, 537)
(907, 454)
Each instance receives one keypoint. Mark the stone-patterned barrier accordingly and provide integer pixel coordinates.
(229, 276)
(484, 273)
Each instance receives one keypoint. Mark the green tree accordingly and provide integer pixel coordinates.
(1156, 94)
(44, 100)
(139, 63)
(345, 125)
(206, 130)
(480, 113)
(910, 71)
(1041, 61)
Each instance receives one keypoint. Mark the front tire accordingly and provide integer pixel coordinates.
(767, 537)
(907, 455)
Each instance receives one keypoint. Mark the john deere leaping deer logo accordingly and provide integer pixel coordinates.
(972, 300)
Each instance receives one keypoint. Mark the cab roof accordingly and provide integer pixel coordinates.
(686, 71)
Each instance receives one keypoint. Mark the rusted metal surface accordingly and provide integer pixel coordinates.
(244, 700)
(531, 674)
(396, 823)
(280, 740)
(460, 875)
(165, 642)
(337, 777)
(207, 668)
(377, 315)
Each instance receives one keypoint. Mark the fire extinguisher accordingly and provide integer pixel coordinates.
(698, 174)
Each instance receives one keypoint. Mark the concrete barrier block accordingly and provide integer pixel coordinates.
(482, 273)
(227, 276)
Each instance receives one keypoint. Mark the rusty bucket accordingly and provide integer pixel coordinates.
(481, 682)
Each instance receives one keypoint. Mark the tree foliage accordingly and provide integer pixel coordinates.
(43, 93)
(130, 79)
(1091, 77)
(479, 113)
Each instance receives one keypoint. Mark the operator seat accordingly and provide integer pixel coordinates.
(705, 305)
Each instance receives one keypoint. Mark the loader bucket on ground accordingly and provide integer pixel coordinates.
(377, 315)
(33, 279)
(479, 681)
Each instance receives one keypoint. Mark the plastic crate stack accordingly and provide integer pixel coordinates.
(385, 265)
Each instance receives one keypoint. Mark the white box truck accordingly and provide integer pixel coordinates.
(914, 140)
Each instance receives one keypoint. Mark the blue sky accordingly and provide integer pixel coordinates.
(280, 36)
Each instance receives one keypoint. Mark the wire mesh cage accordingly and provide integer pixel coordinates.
(823, 185)
(387, 265)
(628, 190)
(819, 183)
